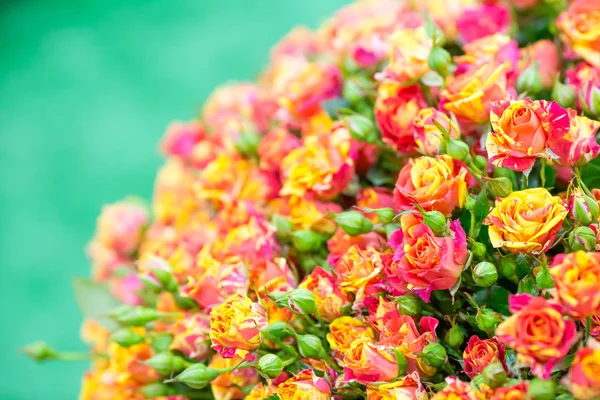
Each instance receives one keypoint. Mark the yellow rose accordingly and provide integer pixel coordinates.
(580, 25)
(410, 50)
(305, 385)
(406, 388)
(526, 221)
(345, 330)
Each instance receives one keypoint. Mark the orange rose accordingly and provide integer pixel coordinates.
(526, 221)
(481, 353)
(583, 379)
(190, 336)
(327, 293)
(358, 271)
(409, 54)
(458, 390)
(538, 332)
(579, 26)
(235, 326)
(366, 362)
(305, 385)
(469, 93)
(521, 130)
(438, 184)
(274, 146)
(515, 392)
(576, 277)
(578, 146)
(406, 388)
(344, 331)
(428, 137)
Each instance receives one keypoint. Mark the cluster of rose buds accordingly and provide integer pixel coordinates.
(404, 206)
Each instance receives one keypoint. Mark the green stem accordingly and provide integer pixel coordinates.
(332, 363)
(588, 328)
(290, 361)
(523, 181)
(74, 356)
(543, 172)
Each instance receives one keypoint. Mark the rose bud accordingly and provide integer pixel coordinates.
(485, 274)
(353, 223)
(436, 221)
(307, 240)
(439, 60)
(138, 316)
(583, 208)
(582, 238)
(277, 331)
(157, 389)
(487, 320)
(39, 351)
(529, 81)
(454, 337)
(197, 376)
(302, 301)
(501, 186)
(361, 128)
(542, 389)
(385, 215)
(409, 305)
(310, 346)
(434, 355)
(494, 375)
(126, 337)
(166, 363)
(457, 149)
(283, 226)
(563, 94)
(269, 366)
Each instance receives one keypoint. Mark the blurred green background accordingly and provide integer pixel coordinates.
(86, 89)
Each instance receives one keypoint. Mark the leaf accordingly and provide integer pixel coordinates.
(494, 297)
(482, 206)
(590, 174)
(523, 268)
(527, 285)
(550, 176)
(432, 79)
(379, 177)
(543, 279)
(95, 301)
(333, 106)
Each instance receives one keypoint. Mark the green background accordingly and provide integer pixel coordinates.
(86, 89)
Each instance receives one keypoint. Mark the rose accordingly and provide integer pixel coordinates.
(576, 277)
(546, 58)
(367, 362)
(406, 388)
(578, 146)
(470, 91)
(301, 86)
(538, 332)
(228, 385)
(235, 326)
(483, 20)
(427, 134)
(579, 27)
(427, 262)
(496, 49)
(410, 50)
(305, 385)
(344, 331)
(120, 226)
(514, 392)
(274, 146)
(585, 80)
(458, 390)
(340, 242)
(358, 271)
(323, 165)
(434, 183)
(375, 197)
(327, 294)
(482, 352)
(191, 335)
(526, 221)
(583, 379)
(396, 107)
(261, 391)
(520, 132)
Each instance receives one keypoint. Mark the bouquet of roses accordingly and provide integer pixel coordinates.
(404, 206)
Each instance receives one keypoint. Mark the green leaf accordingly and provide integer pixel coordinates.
(95, 301)
(523, 268)
(379, 177)
(482, 206)
(527, 285)
(590, 174)
(494, 297)
(543, 279)
(432, 79)
(550, 176)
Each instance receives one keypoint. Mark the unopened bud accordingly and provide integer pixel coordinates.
(508, 266)
(434, 355)
(480, 162)
(269, 366)
(166, 279)
(247, 142)
(439, 60)
(487, 320)
(197, 376)
(138, 316)
(310, 346)
(494, 375)
(583, 208)
(302, 301)
(352, 91)
(501, 187)
(478, 250)
(409, 305)
(454, 337)
(283, 226)
(563, 94)
(529, 80)
(277, 331)
(307, 240)
(166, 363)
(485, 274)
(361, 128)
(542, 389)
(157, 389)
(126, 337)
(385, 215)
(353, 223)
(457, 149)
(39, 351)
(436, 221)
(582, 238)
